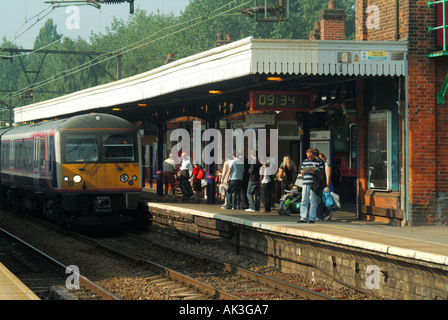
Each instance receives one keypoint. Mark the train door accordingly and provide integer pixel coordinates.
(6, 162)
(51, 168)
(12, 162)
(34, 163)
(40, 163)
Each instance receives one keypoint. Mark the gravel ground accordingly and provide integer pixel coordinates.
(218, 253)
(131, 282)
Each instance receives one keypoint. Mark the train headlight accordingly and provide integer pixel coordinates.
(124, 178)
(134, 178)
(66, 179)
(77, 178)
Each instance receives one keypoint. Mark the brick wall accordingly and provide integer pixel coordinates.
(371, 27)
(441, 214)
(397, 277)
(422, 112)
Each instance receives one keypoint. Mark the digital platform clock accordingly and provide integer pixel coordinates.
(281, 101)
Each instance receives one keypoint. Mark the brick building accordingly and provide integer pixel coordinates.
(421, 173)
(418, 174)
(386, 118)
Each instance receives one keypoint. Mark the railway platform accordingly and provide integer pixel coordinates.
(428, 243)
(11, 288)
(418, 252)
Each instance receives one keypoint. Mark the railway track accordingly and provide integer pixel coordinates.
(177, 274)
(218, 279)
(45, 276)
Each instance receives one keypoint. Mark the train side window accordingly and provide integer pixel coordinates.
(5, 154)
(28, 154)
(41, 153)
(18, 153)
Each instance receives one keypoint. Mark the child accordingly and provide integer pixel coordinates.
(198, 175)
(290, 202)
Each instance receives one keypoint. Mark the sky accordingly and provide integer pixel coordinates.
(21, 20)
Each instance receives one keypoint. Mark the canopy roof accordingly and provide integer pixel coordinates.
(232, 61)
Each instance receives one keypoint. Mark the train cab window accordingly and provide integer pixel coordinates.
(119, 148)
(81, 148)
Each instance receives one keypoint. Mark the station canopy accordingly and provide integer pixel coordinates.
(235, 66)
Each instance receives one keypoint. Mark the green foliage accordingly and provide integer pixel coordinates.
(144, 42)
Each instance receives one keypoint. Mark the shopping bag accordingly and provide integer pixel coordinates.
(336, 200)
(299, 181)
(328, 199)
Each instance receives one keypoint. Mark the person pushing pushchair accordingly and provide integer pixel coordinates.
(183, 178)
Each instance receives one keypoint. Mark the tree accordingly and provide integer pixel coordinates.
(47, 35)
(146, 39)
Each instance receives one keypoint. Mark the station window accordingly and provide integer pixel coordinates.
(288, 130)
(380, 150)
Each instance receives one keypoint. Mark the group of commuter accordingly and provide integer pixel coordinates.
(246, 183)
(190, 178)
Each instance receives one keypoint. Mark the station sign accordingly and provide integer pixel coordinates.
(281, 101)
(253, 121)
(260, 119)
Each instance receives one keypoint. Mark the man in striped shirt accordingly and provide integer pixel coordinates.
(309, 198)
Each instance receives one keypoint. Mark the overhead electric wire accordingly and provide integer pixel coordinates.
(113, 54)
(26, 21)
(54, 42)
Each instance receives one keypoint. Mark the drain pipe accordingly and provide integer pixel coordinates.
(397, 20)
(406, 139)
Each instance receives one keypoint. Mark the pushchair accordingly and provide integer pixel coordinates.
(185, 187)
(290, 202)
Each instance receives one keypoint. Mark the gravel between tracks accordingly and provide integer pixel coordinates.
(130, 282)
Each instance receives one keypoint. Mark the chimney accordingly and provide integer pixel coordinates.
(332, 23)
(221, 41)
(315, 34)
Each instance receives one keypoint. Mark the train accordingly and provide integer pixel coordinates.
(82, 170)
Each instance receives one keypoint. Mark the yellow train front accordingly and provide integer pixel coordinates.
(83, 170)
